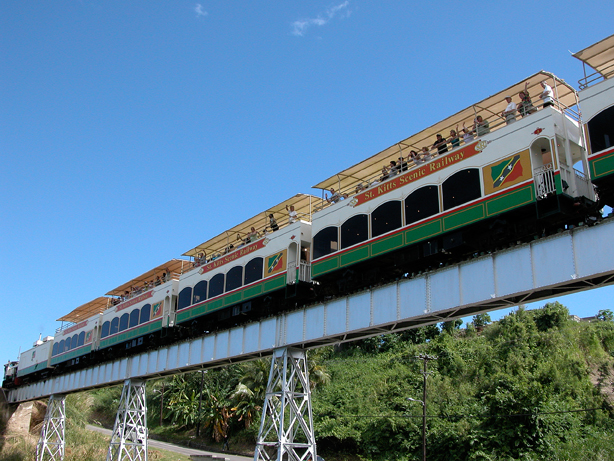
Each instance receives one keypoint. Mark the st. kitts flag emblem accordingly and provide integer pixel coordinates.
(506, 171)
(275, 263)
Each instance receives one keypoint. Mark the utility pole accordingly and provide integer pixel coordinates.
(425, 359)
(200, 402)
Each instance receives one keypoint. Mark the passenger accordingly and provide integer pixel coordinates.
(384, 175)
(547, 95)
(426, 155)
(526, 106)
(403, 164)
(418, 160)
(393, 169)
(253, 235)
(292, 215)
(509, 114)
(273, 223)
(360, 187)
(440, 145)
(334, 196)
(468, 135)
(481, 126)
(413, 155)
(158, 281)
(454, 139)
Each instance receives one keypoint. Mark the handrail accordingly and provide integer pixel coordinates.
(588, 80)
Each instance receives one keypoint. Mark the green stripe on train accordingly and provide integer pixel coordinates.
(233, 298)
(131, 334)
(32, 369)
(427, 230)
(71, 354)
(602, 166)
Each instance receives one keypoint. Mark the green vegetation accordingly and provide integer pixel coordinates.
(533, 386)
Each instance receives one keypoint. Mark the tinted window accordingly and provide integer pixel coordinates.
(185, 298)
(145, 312)
(114, 326)
(354, 230)
(601, 130)
(216, 285)
(200, 292)
(386, 218)
(253, 270)
(134, 318)
(421, 203)
(55, 349)
(234, 278)
(62, 345)
(75, 341)
(123, 322)
(105, 329)
(461, 187)
(325, 242)
(81, 339)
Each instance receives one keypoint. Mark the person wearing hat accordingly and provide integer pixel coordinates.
(509, 114)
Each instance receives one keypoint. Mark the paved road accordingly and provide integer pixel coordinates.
(177, 448)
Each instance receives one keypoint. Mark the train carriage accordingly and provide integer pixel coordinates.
(510, 183)
(144, 309)
(597, 102)
(35, 363)
(80, 336)
(251, 267)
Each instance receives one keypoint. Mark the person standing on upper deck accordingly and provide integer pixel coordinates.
(440, 145)
(547, 95)
(509, 114)
(292, 215)
(526, 106)
(481, 126)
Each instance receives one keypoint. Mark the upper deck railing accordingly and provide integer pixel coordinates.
(596, 77)
(430, 153)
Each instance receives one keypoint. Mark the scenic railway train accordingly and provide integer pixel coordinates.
(438, 197)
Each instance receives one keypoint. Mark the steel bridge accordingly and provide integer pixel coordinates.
(577, 259)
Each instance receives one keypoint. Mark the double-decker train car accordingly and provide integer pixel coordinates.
(250, 270)
(440, 196)
(597, 102)
(512, 182)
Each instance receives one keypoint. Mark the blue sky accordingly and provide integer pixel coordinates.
(131, 132)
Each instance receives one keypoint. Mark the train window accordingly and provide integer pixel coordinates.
(354, 230)
(105, 329)
(114, 326)
(134, 318)
(421, 203)
(325, 242)
(253, 270)
(62, 345)
(145, 313)
(81, 341)
(185, 298)
(55, 349)
(234, 278)
(73, 341)
(385, 218)
(601, 130)
(123, 322)
(200, 292)
(216, 285)
(461, 187)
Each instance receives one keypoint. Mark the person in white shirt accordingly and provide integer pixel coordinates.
(547, 95)
(509, 114)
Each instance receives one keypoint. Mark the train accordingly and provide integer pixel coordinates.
(438, 197)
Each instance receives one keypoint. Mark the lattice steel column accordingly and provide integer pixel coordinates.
(286, 429)
(51, 442)
(129, 439)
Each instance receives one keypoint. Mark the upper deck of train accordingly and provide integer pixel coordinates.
(358, 177)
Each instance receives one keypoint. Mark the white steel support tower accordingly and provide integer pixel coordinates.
(129, 438)
(51, 442)
(286, 430)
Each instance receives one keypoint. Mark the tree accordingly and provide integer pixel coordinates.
(481, 320)
(605, 315)
(451, 325)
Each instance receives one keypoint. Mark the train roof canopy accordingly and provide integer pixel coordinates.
(302, 205)
(174, 266)
(489, 107)
(600, 56)
(86, 310)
